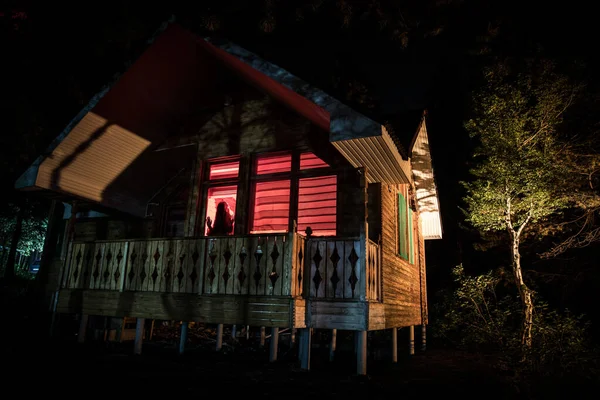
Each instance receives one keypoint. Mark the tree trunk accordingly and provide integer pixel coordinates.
(9, 271)
(524, 292)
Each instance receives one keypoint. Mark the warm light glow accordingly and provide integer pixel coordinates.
(217, 194)
(309, 161)
(317, 199)
(271, 207)
(224, 170)
(272, 164)
(92, 156)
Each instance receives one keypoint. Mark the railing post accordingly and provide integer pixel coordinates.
(124, 268)
(288, 272)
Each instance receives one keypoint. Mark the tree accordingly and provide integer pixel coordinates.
(25, 225)
(528, 171)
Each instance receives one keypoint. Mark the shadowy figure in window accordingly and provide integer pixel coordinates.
(223, 224)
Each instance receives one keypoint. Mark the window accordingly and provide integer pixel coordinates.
(271, 206)
(317, 205)
(276, 200)
(405, 230)
(221, 198)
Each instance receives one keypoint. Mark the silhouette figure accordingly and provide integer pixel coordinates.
(223, 224)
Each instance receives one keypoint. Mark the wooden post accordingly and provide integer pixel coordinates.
(183, 336)
(83, 323)
(292, 337)
(219, 337)
(332, 345)
(262, 336)
(151, 330)
(274, 344)
(139, 336)
(423, 337)
(361, 352)
(304, 349)
(411, 340)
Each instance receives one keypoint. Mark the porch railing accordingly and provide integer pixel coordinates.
(338, 267)
(254, 265)
(269, 265)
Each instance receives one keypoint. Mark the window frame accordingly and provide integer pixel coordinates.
(294, 176)
(207, 183)
(405, 231)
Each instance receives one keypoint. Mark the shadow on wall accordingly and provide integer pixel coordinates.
(56, 173)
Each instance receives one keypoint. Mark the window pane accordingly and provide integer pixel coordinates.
(309, 161)
(271, 207)
(402, 228)
(317, 205)
(274, 163)
(224, 170)
(221, 215)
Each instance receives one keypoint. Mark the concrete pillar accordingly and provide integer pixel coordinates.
(183, 336)
(274, 344)
(361, 352)
(332, 344)
(139, 336)
(219, 337)
(262, 336)
(83, 323)
(304, 348)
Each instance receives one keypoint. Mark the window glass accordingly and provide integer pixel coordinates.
(317, 205)
(270, 164)
(224, 170)
(271, 206)
(220, 210)
(309, 161)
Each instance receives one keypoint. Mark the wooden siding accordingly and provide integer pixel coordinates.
(402, 281)
(346, 315)
(376, 316)
(248, 310)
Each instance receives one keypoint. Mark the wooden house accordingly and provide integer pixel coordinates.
(206, 184)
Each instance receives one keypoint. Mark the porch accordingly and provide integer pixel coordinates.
(275, 280)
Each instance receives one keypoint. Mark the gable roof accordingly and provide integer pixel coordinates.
(106, 148)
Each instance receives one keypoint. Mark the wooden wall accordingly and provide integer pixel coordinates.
(402, 281)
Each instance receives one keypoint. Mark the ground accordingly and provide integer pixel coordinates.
(33, 363)
(99, 368)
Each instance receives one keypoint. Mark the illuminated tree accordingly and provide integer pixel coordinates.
(527, 172)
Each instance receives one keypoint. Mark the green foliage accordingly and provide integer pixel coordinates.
(484, 313)
(525, 169)
(33, 232)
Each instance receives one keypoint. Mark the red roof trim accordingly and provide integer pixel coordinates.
(301, 105)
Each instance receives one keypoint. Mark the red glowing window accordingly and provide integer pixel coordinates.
(224, 170)
(219, 216)
(309, 161)
(271, 207)
(272, 164)
(317, 205)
